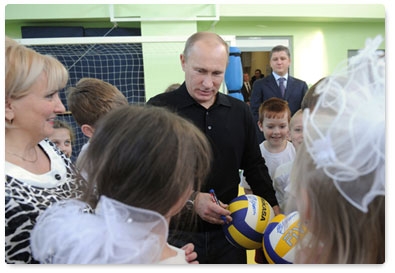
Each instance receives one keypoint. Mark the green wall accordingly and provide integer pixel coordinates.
(321, 34)
(318, 47)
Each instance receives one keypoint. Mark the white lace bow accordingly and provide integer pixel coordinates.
(345, 132)
(115, 234)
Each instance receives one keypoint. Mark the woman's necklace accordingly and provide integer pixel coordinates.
(24, 159)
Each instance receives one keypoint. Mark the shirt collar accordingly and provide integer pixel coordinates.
(276, 76)
(221, 99)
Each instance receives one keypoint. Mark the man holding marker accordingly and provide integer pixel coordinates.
(229, 126)
(215, 199)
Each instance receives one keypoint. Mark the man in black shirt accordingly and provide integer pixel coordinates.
(229, 126)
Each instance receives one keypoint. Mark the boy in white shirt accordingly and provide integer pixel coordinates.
(274, 119)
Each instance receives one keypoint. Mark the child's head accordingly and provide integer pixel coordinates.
(63, 137)
(296, 128)
(341, 232)
(274, 118)
(338, 176)
(91, 99)
(311, 97)
(147, 157)
(172, 87)
(296, 125)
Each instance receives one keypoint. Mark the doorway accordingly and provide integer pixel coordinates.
(255, 52)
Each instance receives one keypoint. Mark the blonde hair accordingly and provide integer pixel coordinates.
(147, 157)
(24, 66)
(293, 118)
(341, 233)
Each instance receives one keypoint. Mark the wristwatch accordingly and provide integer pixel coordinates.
(190, 202)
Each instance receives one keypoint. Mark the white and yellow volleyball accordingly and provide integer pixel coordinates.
(251, 214)
(280, 238)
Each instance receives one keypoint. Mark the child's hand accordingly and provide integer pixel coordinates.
(190, 254)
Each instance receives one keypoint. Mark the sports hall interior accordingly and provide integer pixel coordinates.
(320, 36)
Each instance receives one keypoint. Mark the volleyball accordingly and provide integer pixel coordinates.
(250, 216)
(280, 238)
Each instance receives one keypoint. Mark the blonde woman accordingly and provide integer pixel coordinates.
(37, 174)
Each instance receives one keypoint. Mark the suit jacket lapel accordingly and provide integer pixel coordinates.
(274, 85)
(290, 82)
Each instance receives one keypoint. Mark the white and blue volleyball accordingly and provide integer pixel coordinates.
(251, 214)
(281, 237)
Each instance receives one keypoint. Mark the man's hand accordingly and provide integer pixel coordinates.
(209, 211)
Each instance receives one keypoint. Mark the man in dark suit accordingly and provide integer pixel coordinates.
(293, 89)
(257, 75)
(246, 88)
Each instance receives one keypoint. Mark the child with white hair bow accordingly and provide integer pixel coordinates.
(338, 177)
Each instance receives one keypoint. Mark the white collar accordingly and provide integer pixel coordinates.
(276, 76)
(45, 180)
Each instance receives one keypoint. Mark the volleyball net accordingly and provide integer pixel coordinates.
(119, 64)
(117, 60)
